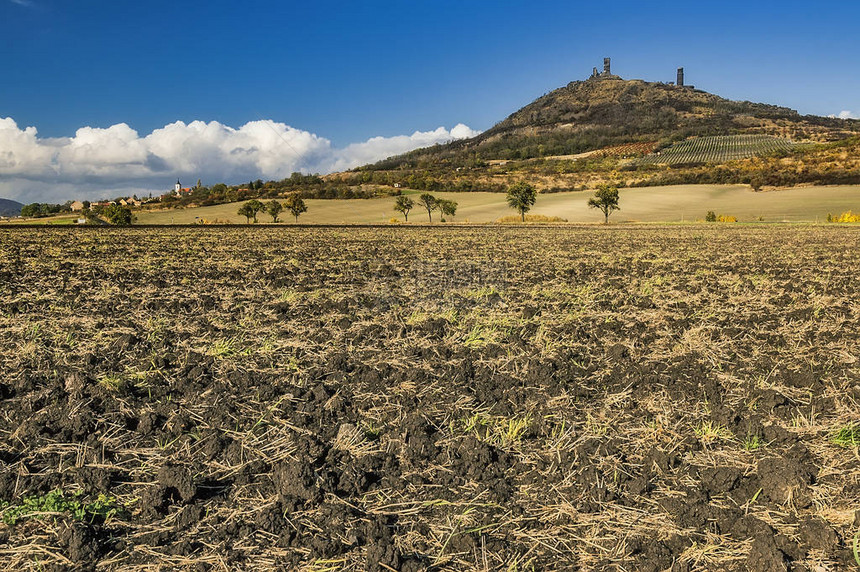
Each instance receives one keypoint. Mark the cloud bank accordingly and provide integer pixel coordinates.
(109, 162)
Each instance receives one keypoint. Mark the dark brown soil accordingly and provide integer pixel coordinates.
(645, 398)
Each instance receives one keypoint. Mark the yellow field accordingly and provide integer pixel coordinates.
(682, 203)
(652, 204)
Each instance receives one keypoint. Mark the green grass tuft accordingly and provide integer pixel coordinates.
(101, 510)
(848, 436)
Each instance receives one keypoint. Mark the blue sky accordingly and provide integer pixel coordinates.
(326, 76)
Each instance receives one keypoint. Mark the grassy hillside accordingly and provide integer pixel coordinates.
(653, 204)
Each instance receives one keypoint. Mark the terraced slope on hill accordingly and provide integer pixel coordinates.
(717, 149)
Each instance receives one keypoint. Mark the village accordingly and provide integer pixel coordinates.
(91, 211)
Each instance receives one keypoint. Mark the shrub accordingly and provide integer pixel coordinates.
(714, 217)
(530, 218)
(118, 215)
(847, 216)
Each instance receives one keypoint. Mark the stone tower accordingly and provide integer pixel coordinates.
(680, 77)
(606, 66)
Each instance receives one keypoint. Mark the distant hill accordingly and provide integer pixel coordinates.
(608, 111)
(9, 207)
(628, 133)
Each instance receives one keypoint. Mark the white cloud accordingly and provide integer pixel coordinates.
(110, 162)
(845, 115)
(377, 148)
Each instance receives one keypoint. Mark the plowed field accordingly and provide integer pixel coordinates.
(620, 398)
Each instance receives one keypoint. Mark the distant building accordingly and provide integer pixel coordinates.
(77, 206)
(178, 190)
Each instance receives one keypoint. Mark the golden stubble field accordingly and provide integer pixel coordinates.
(618, 398)
(678, 203)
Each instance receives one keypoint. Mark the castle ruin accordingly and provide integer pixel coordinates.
(607, 69)
(607, 74)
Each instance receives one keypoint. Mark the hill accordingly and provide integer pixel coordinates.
(591, 131)
(607, 110)
(9, 207)
(629, 133)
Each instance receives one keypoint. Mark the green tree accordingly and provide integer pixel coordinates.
(118, 215)
(712, 217)
(430, 203)
(295, 205)
(606, 199)
(403, 204)
(274, 208)
(91, 217)
(246, 212)
(256, 207)
(31, 210)
(448, 208)
(521, 197)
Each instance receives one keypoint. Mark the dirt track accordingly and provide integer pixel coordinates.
(479, 398)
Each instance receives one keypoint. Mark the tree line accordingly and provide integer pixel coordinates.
(404, 204)
(294, 204)
(521, 197)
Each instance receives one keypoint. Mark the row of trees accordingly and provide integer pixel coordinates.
(404, 204)
(36, 210)
(294, 204)
(521, 197)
